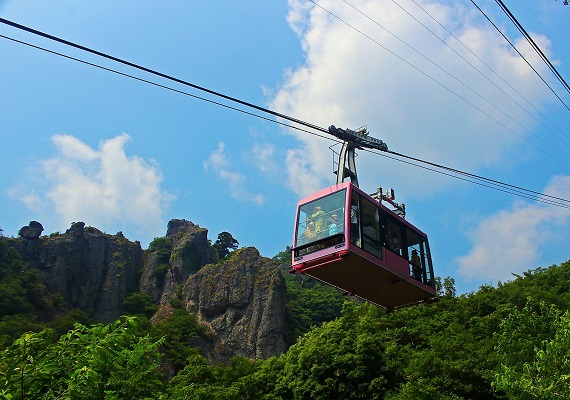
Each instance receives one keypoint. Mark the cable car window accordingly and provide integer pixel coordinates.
(415, 252)
(371, 228)
(355, 219)
(429, 268)
(321, 219)
(394, 236)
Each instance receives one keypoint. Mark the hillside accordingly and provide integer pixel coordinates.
(238, 300)
(509, 341)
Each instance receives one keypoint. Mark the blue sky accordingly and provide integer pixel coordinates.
(83, 144)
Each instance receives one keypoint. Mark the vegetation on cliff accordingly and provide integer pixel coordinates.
(509, 341)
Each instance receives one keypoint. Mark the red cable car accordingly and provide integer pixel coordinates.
(350, 240)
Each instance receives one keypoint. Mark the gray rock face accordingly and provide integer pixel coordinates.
(32, 231)
(93, 271)
(190, 251)
(241, 299)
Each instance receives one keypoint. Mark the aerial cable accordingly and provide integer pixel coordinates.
(306, 124)
(173, 89)
(450, 90)
(533, 44)
(538, 198)
(479, 71)
(507, 115)
(478, 177)
(519, 53)
(151, 71)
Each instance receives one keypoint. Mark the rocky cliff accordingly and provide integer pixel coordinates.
(93, 271)
(189, 250)
(240, 299)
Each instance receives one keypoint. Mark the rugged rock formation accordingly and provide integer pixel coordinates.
(93, 271)
(32, 231)
(190, 251)
(242, 300)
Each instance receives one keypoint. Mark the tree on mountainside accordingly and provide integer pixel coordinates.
(162, 247)
(139, 304)
(225, 244)
(22, 298)
(445, 288)
(180, 331)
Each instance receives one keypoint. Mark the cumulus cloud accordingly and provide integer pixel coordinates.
(417, 108)
(509, 241)
(104, 187)
(235, 181)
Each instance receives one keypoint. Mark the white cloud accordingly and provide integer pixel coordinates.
(235, 181)
(348, 80)
(509, 241)
(29, 197)
(263, 157)
(73, 148)
(102, 187)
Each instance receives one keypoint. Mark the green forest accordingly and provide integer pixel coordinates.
(511, 341)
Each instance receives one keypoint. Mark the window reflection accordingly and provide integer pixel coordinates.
(321, 219)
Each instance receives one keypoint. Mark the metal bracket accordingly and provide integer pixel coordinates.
(346, 171)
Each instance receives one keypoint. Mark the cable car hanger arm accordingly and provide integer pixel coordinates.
(352, 140)
(359, 139)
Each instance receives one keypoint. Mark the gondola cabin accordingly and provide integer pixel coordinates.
(350, 240)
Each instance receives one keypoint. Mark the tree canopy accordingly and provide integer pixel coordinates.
(225, 244)
(111, 361)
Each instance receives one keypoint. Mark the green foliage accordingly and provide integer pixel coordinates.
(22, 300)
(309, 306)
(104, 361)
(309, 302)
(160, 243)
(445, 288)
(509, 341)
(162, 247)
(344, 358)
(283, 258)
(20, 288)
(201, 381)
(225, 244)
(191, 258)
(159, 272)
(13, 326)
(535, 347)
(180, 330)
(139, 303)
(61, 325)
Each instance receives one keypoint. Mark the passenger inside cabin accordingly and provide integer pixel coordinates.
(416, 266)
(354, 228)
(318, 217)
(309, 233)
(333, 225)
(394, 240)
